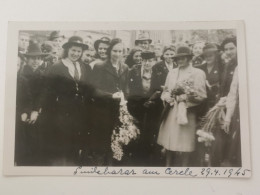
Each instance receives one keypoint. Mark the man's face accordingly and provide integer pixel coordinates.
(34, 62)
(148, 63)
(144, 44)
(231, 51)
(23, 41)
(88, 56)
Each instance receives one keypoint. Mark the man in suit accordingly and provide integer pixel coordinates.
(35, 83)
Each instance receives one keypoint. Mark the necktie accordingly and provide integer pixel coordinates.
(76, 72)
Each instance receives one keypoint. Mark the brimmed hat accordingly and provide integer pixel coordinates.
(143, 37)
(75, 40)
(209, 48)
(105, 40)
(55, 34)
(34, 49)
(183, 51)
(147, 55)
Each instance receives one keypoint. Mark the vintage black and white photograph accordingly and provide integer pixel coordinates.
(119, 96)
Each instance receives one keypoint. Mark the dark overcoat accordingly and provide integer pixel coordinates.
(69, 99)
(107, 81)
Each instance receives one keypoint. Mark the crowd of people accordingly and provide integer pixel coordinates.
(68, 98)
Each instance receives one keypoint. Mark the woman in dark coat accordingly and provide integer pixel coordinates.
(213, 69)
(110, 81)
(67, 91)
(139, 83)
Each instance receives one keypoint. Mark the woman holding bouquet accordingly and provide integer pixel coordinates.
(185, 88)
(110, 81)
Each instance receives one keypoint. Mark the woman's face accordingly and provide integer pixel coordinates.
(210, 57)
(34, 62)
(231, 51)
(57, 41)
(148, 63)
(74, 53)
(158, 50)
(197, 49)
(102, 50)
(137, 57)
(117, 52)
(182, 61)
(168, 55)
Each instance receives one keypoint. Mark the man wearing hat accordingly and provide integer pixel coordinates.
(101, 46)
(57, 38)
(143, 41)
(35, 79)
(52, 57)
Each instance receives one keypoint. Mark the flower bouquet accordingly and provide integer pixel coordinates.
(183, 91)
(124, 132)
(212, 120)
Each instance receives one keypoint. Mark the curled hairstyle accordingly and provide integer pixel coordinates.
(112, 44)
(229, 40)
(129, 60)
(167, 48)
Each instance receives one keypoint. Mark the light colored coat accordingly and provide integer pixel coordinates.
(173, 136)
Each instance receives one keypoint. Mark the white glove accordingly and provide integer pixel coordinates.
(24, 117)
(34, 116)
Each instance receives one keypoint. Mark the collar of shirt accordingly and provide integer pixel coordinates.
(169, 66)
(142, 71)
(69, 64)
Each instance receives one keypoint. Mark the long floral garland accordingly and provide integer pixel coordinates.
(124, 132)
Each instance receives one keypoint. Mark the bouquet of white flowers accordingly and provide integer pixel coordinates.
(214, 118)
(124, 132)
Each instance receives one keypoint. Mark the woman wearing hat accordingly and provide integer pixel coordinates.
(139, 100)
(111, 81)
(177, 137)
(101, 46)
(213, 69)
(67, 91)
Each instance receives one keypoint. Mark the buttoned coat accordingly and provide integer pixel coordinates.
(68, 99)
(107, 82)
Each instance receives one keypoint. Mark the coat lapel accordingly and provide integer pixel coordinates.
(109, 68)
(65, 72)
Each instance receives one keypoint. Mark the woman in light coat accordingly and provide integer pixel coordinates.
(179, 138)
